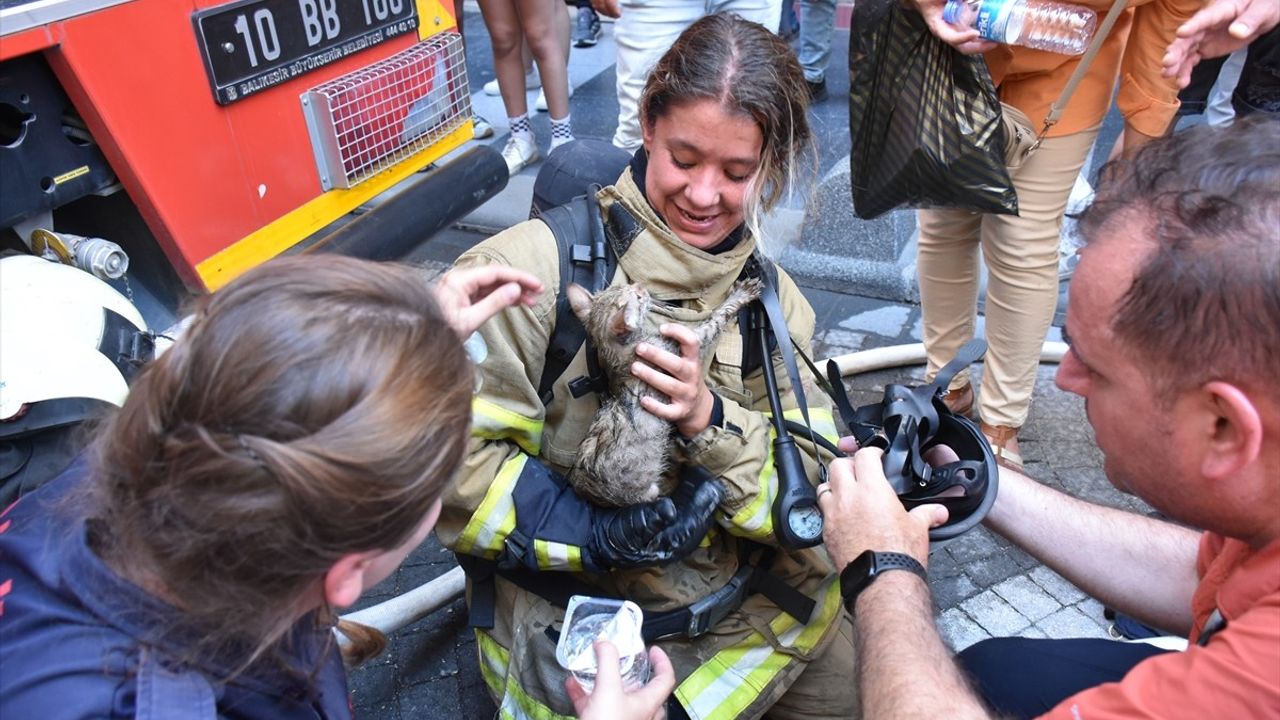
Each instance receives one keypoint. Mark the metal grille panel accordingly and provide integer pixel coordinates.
(369, 120)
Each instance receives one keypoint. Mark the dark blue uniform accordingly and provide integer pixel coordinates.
(79, 641)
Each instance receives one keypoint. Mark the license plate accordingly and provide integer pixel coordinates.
(253, 45)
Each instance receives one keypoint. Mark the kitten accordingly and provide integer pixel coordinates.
(623, 459)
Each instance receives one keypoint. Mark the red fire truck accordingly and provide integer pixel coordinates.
(158, 148)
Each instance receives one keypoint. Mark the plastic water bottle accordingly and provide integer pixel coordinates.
(588, 619)
(1041, 24)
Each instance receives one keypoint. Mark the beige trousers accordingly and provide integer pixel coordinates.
(1021, 255)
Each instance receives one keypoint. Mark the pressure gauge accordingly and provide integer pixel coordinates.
(805, 523)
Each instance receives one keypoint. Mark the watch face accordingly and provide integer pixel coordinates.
(805, 522)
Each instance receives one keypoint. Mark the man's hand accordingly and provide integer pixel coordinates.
(862, 512)
(608, 701)
(469, 296)
(608, 8)
(1221, 28)
(966, 41)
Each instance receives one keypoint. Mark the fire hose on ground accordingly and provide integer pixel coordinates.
(406, 609)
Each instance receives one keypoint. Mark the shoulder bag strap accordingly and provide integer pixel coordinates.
(1060, 105)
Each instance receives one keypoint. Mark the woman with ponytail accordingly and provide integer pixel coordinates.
(285, 454)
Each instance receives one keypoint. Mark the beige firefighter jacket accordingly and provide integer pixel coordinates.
(743, 664)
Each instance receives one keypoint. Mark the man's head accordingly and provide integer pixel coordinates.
(1175, 318)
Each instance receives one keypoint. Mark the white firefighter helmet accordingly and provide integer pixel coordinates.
(56, 324)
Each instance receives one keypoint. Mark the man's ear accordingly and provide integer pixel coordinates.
(345, 580)
(1234, 433)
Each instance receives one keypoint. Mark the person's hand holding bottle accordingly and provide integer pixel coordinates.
(608, 701)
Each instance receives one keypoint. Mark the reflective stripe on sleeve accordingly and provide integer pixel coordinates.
(491, 523)
(730, 681)
(490, 421)
(557, 556)
(755, 521)
(516, 703)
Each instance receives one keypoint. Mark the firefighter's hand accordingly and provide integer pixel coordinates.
(608, 701)
(658, 532)
(679, 377)
(469, 296)
(862, 512)
(966, 40)
(1221, 28)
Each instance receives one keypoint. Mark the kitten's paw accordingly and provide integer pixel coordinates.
(744, 291)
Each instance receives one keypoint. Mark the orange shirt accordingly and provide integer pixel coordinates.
(1031, 80)
(1235, 675)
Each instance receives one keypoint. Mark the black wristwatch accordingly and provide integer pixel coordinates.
(857, 575)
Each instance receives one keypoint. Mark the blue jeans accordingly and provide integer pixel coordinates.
(817, 18)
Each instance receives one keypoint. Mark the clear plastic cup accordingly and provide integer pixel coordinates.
(588, 619)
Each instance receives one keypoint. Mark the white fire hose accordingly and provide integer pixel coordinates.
(416, 604)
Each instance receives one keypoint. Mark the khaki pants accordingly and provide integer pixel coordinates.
(1021, 255)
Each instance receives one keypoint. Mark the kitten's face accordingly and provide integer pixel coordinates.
(623, 311)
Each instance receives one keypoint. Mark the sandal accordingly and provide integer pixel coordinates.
(960, 400)
(1004, 445)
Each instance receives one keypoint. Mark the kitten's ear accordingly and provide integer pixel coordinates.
(618, 324)
(579, 301)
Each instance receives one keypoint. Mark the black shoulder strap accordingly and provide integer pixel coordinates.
(574, 226)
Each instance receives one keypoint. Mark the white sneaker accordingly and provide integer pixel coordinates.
(519, 153)
(541, 103)
(532, 81)
(480, 127)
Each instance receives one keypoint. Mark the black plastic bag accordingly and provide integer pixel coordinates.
(924, 119)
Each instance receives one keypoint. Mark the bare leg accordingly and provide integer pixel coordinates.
(541, 20)
(503, 22)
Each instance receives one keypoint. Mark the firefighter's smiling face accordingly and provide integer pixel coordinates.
(702, 162)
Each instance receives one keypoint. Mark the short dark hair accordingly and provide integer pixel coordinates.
(1205, 305)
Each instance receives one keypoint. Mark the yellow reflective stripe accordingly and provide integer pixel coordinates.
(493, 661)
(494, 520)
(516, 703)
(756, 519)
(557, 556)
(823, 421)
(729, 682)
(490, 421)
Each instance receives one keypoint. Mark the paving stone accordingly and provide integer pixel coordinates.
(1069, 622)
(1033, 631)
(994, 614)
(888, 321)
(991, 570)
(959, 631)
(949, 592)
(1059, 587)
(437, 699)
(1027, 598)
(838, 342)
(1094, 611)
(373, 685)
(974, 545)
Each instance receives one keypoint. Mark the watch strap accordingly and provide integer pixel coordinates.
(859, 574)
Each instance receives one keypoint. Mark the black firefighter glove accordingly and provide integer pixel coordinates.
(662, 531)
